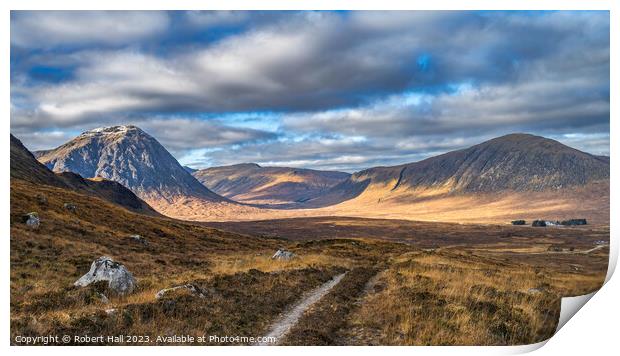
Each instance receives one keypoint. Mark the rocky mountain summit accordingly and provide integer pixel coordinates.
(131, 157)
(25, 167)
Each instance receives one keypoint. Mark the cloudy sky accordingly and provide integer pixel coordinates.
(326, 90)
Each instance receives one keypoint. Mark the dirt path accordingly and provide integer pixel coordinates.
(283, 325)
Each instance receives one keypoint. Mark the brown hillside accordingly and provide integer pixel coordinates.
(251, 183)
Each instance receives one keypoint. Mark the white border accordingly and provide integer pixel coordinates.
(594, 328)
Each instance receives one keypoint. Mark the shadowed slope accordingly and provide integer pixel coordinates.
(251, 183)
(26, 168)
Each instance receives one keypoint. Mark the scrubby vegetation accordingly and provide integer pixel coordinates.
(403, 291)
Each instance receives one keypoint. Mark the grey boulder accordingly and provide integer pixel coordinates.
(119, 279)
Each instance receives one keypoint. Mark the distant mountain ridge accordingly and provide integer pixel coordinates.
(513, 176)
(514, 162)
(127, 155)
(251, 183)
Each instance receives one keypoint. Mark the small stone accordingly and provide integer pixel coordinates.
(71, 207)
(282, 254)
(534, 291)
(139, 239)
(190, 287)
(31, 220)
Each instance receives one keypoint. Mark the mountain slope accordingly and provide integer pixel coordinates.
(26, 168)
(131, 157)
(515, 162)
(251, 183)
(127, 155)
(509, 177)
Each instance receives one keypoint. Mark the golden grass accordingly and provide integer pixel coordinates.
(243, 263)
(455, 295)
(448, 299)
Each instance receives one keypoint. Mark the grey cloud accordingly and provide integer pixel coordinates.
(545, 106)
(177, 134)
(339, 81)
(344, 154)
(316, 61)
(182, 134)
(45, 29)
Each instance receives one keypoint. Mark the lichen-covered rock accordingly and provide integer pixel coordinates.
(190, 287)
(31, 220)
(119, 279)
(282, 255)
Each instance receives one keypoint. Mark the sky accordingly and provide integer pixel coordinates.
(342, 90)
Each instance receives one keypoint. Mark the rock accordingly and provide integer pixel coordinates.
(282, 254)
(139, 239)
(71, 207)
(119, 279)
(518, 222)
(190, 287)
(32, 220)
(539, 223)
(110, 311)
(534, 291)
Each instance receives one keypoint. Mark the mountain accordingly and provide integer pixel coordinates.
(517, 175)
(127, 155)
(131, 157)
(251, 183)
(24, 167)
(515, 162)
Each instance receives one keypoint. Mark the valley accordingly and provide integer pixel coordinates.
(372, 259)
(490, 285)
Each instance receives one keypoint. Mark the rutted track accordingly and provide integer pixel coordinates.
(284, 324)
